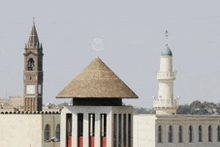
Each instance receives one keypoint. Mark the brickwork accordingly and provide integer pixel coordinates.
(33, 73)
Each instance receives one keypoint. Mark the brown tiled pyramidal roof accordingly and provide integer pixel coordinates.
(97, 81)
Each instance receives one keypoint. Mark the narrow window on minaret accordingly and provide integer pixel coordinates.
(80, 129)
(92, 130)
(103, 130)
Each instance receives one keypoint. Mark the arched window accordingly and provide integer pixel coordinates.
(170, 134)
(160, 134)
(180, 134)
(200, 133)
(218, 131)
(47, 133)
(190, 134)
(58, 131)
(210, 133)
(31, 65)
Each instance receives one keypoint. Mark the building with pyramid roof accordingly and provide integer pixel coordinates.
(97, 94)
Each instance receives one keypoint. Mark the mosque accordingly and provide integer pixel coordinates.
(97, 117)
(166, 128)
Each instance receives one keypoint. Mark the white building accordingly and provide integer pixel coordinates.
(29, 129)
(165, 128)
(97, 117)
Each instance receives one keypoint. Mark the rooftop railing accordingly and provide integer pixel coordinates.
(165, 103)
(166, 75)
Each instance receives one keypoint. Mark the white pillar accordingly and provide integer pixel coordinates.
(85, 130)
(74, 129)
(63, 128)
(97, 129)
(127, 130)
(132, 130)
(110, 129)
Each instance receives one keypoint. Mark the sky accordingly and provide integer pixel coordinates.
(128, 36)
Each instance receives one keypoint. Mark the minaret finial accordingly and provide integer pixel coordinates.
(166, 35)
(33, 20)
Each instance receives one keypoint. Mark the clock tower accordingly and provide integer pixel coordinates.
(33, 73)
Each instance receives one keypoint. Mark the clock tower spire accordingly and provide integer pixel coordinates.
(33, 73)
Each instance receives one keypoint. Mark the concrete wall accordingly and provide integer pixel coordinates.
(144, 130)
(26, 130)
(53, 120)
(185, 121)
(16, 102)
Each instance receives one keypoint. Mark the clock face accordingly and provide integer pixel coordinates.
(30, 89)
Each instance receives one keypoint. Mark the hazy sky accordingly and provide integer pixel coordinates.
(127, 35)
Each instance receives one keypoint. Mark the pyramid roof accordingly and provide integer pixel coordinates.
(97, 81)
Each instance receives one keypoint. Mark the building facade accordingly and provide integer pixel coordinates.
(29, 129)
(166, 128)
(97, 117)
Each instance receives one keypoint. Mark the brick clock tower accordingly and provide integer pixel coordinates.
(33, 73)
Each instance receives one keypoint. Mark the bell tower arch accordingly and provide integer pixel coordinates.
(33, 73)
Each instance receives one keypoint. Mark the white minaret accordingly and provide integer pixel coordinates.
(165, 104)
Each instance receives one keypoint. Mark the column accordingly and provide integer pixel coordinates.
(119, 130)
(91, 129)
(97, 129)
(85, 129)
(127, 139)
(63, 128)
(75, 130)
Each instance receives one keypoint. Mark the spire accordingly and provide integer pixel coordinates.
(168, 51)
(33, 39)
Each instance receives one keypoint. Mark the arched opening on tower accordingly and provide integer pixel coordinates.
(31, 65)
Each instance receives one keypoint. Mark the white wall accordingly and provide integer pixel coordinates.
(185, 121)
(144, 130)
(25, 130)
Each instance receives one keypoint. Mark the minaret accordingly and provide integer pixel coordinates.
(165, 103)
(33, 73)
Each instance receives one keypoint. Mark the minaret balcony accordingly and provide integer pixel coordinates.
(165, 103)
(166, 75)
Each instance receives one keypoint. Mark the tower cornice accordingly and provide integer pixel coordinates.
(28, 53)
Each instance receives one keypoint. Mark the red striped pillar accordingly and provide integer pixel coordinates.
(80, 141)
(104, 142)
(92, 141)
(69, 141)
